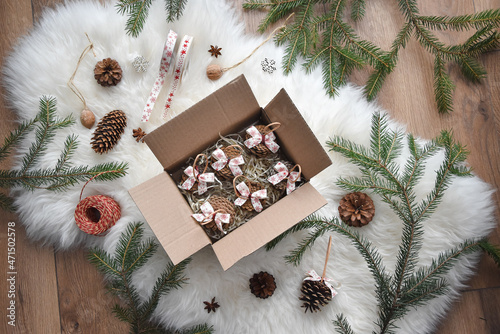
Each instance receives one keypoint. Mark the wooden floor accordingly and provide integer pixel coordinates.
(62, 292)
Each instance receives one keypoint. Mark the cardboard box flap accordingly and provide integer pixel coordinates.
(268, 224)
(301, 143)
(168, 215)
(225, 111)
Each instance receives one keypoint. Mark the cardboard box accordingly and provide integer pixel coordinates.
(230, 109)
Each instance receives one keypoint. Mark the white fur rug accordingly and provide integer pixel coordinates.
(44, 60)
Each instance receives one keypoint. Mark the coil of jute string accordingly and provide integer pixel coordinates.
(87, 117)
(215, 71)
(96, 214)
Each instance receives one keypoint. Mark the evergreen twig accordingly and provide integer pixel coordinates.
(341, 49)
(63, 175)
(410, 285)
(132, 252)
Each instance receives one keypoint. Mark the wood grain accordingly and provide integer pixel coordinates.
(63, 292)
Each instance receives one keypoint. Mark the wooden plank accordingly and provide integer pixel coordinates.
(84, 303)
(36, 301)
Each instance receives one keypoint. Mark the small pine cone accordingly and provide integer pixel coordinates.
(225, 206)
(314, 295)
(262, 285)
(231, 153)
(356, 209)
(108, 72)
(108, 131)
(261, 149)
(281, 186)
(253, 186)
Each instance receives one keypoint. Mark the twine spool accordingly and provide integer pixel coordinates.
(96, 214)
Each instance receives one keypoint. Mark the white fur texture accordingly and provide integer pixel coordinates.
(44, 60)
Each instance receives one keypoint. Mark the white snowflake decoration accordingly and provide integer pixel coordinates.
(267, 65)
(140, 64)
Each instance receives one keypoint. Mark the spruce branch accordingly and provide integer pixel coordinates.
(334, 44)
(411, 284)
(63, 175)
(131, 253)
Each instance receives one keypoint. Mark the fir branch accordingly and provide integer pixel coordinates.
(70, 145)
(343, 326)
(174, 9)
(307, 223)
(472, 69)
(16, 136)
(137, 11)
(358, 10)
(443, 87)
(6, 203)
(296, 255)
(131, 253)
(488, 18)
(490, 249)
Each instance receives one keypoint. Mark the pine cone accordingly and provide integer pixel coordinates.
(253, 186)
(356, 209)
(281, 186)
(231, 153)
(262, 285)
(261, 149)
(108, 72)
(108, 131)
(314, 295)
(225, 206)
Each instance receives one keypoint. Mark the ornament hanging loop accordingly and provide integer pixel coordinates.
(196, 160)
(271, 127)
(298, 176)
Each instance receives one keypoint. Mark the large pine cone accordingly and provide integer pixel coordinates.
(108, 131)
(356, 209)
(261, 149)
(231, 153)
(314, 295)
(253, 186)
(108, 72)
(262, 285)
(225, 206)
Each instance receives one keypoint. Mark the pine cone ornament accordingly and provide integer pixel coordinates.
(108, 72)
(108, 131)
(253, 186)
(260, 150)
(225, 206)
(281, 186)
(356, 209)
(230, 152)
(314, 295)
(262, 285)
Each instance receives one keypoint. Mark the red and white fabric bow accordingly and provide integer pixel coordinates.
(283, 173)
(194, 176)
(254, 197)
(222, 161)
(257, 137)
(313, 276)
(209, 214)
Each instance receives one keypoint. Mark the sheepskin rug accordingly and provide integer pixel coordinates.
(44, 60)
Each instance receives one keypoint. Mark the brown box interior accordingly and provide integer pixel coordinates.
(231, 109)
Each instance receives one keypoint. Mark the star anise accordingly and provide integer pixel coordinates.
(211, 306)
(138, 134)
(215, 51)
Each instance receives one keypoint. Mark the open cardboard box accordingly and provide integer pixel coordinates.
(230, 109)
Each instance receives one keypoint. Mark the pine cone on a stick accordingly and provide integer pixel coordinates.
(356, 209)
(108, 72)
(108, 131)
(314, 295)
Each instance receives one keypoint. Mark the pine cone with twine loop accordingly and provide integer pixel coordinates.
(281, 186)
(253, 186)
(222, 205)
(261, 150)
(196, 167)
(356, 209)
(262, 285)
(108, 72)
(108, 131)
(230, 152)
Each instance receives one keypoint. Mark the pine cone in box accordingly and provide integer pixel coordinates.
(262, 285)
(222, 205)
(314, 295)
(253, 186)
(281, 186)
(261, 150)
(108, 72)
(356, 209)
(230, 152)
(108, 131)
